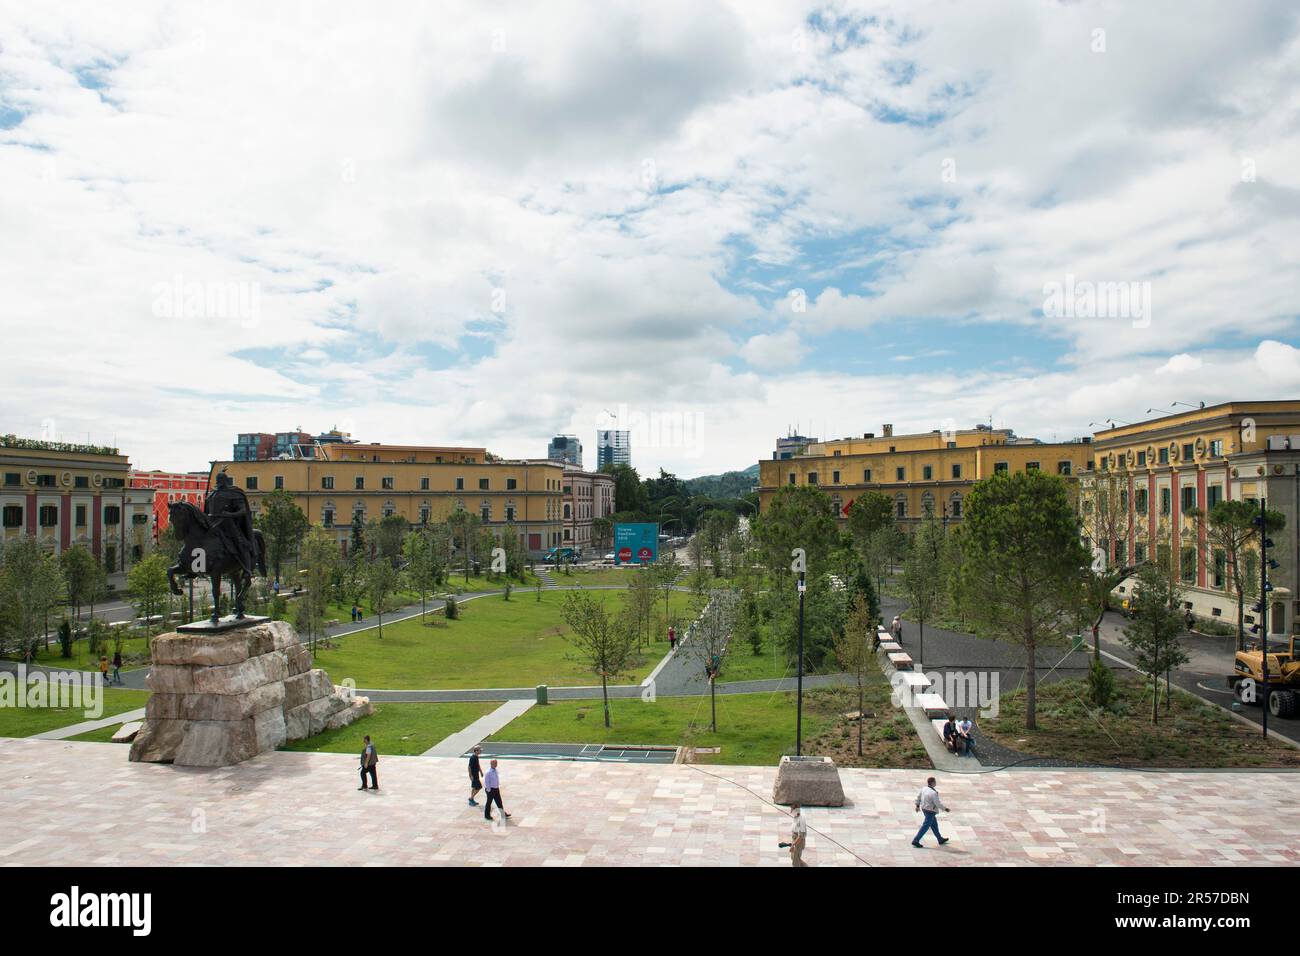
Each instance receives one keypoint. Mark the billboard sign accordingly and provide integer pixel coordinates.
(636, 543)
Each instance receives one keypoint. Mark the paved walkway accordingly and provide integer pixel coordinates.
(481, 729)
(86, 726)
(303, 809)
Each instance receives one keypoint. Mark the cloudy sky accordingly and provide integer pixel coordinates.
(707, 221)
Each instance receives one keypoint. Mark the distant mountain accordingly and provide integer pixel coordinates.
(730, 484)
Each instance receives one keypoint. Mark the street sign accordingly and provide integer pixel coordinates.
(636, 543)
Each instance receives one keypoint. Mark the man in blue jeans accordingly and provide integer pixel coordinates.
(928, 802)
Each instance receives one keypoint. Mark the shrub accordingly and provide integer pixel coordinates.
(452, 609)
(1101, 683)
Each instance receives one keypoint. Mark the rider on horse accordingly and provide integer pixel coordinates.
(232, 521)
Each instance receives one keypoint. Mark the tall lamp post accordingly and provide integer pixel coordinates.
(798, 719)
(1264, 588)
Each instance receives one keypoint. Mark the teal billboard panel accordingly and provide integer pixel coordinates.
(636, 543)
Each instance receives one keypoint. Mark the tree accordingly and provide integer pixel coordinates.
(629, 493)
(709, 640)
(147, 582)
(1021, 559)
(924, 575)
(283, 525)
(878, 554)
(715, 525)
(853, 649)
(389, 536)
(797, 517)
(358, 543)
(602, 533)
(1153, 632)
(30, 585)
(381, 585)
(85, 577)
(664, 574)
(604, 643)
(320, 560)
(424, 550)
(867, 514)
(1230, 527)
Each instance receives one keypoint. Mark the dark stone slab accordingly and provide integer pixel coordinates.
(227, 623)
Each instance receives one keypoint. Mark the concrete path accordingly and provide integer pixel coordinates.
(303, 809)
(86, 726)
(484, 727)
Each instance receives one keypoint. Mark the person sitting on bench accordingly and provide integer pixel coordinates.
(950, 735)
(966, 735)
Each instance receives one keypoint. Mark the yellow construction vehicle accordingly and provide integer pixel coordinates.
(1247, 679)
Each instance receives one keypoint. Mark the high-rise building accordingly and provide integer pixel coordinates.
(791, 445)
(613, 448)
(565, 448)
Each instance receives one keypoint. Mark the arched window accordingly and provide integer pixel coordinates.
(954, 506)
(927, 504)
(900, 506)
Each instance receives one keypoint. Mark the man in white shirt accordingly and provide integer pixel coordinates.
(492, 786)
(928, 802)
(798, 835)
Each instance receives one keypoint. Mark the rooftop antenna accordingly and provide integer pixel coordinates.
(1200, 406)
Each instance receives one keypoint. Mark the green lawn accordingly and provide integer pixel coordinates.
(1191, 734)
(588, 577)
(753, 729)
(399, 729)
(494, 643)
(24, 722)
(135, 653)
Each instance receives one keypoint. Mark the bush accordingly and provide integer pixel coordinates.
(65, 639)
(1101, 684)
(452, 610)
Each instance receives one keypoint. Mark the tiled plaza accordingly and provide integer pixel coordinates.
(85, 804)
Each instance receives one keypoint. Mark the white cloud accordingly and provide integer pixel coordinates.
(485, 224)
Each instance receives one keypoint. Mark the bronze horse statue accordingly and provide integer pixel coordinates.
(207, 552)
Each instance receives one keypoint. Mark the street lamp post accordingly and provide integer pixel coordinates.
(1264, 588)
(798, 720)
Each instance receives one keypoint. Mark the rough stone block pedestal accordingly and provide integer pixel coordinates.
(809, 782)
(220, 698)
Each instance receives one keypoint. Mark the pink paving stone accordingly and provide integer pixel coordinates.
(291, 809)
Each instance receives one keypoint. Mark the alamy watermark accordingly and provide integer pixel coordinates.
(974, 690)
(68, 690)
(1083, 299)
(234, 301)
(681, 430)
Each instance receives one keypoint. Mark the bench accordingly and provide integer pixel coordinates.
(901, 661)
(913, 681)
(889, 647)
(932, 704)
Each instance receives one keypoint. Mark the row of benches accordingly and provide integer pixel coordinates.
(931, 704)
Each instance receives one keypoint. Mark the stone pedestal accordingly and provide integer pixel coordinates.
(809, 782)
(222, 697)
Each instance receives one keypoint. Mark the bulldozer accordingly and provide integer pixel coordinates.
(1247, 678)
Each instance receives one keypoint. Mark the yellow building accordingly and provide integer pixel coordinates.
(1135, 504)
(925, 473)
(64, 494)
(419, 482)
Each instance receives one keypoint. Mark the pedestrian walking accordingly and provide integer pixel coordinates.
(369, 765)
(475, 773)
(672, 639)
(798, 835)
(493, 782)
(897, 629)
(103, 671)
(928, 802)
(117, 667)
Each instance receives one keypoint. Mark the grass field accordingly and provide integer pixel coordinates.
(1191, 734)
(755, 729)
(135, 654)
(24, 722)
(592, 576)
(494, 643)
(399, 729)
